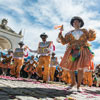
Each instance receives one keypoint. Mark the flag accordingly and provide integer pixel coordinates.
(25, 54)
(53, 47)
(57, 26)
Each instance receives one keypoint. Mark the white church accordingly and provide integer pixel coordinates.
(8, 38)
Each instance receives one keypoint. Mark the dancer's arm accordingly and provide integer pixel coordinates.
(35, 51)
(64, 40)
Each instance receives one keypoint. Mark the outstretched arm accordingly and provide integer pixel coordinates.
(35, 51)
(26, 47)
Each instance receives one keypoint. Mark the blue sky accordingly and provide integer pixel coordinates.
(37, 16)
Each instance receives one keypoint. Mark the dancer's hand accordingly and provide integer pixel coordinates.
(92, 35)
(91, 31)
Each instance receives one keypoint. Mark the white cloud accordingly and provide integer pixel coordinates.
(49, 13)
(14, 5)
(97, 55)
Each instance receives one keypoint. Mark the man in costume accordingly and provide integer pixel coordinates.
(18, 60)
(97, 72)
(53, 64)
(78, 55)
(44, 50)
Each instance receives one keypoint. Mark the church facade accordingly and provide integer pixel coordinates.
(9, 39)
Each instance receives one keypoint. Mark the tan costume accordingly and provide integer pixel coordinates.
(87, 78)
(44, 59)
(18, 62)
(53, 65)
(66, 76)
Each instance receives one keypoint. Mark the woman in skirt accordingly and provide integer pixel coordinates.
(78, 55)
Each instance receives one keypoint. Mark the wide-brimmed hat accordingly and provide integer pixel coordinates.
(77, 18)
(53, 53)
(21, 43)
(44, 35)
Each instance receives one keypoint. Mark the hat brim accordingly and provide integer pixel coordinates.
(79, 19)
(10, 51)
(41, 36)
(20, 43)
(53, 54)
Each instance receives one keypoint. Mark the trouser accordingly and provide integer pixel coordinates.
(52, 72)
(4, 69)
(66, 76)
(8, 65)
(29, 68)
(3, 65)
(43, 61)
(87, 79)
(18, 63)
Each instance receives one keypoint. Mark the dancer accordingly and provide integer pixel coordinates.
(53, 65)
(6, 62)
(18, 60)
(45, 48)
(78, 55)
(97, 72)
(30, 66)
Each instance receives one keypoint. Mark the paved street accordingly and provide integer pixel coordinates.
(28, 89)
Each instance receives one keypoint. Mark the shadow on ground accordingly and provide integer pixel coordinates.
(96, 92)
(33, 92)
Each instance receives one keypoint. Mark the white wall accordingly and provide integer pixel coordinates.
(12, 37)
